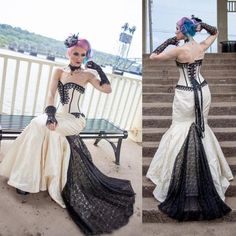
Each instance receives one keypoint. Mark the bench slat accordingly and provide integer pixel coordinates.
(14, 124)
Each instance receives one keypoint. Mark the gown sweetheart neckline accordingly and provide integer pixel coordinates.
(64, 84)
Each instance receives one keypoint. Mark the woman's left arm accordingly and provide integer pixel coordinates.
(105, 88)
(210, 39)
(102, 85)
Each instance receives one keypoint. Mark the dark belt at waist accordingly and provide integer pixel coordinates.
(187, 88)
(77, 114)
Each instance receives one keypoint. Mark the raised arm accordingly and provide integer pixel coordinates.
(159, 54)
(209, 40)
(102, 85)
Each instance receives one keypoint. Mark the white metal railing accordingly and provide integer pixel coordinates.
(231, 6)
(24, 83)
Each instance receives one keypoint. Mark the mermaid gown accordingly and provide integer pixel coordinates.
(189, 169)
(59, 161)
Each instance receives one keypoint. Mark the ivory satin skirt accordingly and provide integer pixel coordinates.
(38, 159)
(161, 167)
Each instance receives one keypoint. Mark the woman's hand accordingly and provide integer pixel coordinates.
(102, 75)
(51, 122)
(199, 28)
(92, 65)
(52, 126)
(173, 41)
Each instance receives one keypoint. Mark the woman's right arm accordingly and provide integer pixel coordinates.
(53, 86)
(160, 55)
(163, 56)
(50, 109)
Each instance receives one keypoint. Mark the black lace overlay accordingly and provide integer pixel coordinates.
(192, 194)
(51, 111)
(97, 203)
(210, 29)
(163, 46)
(63, 90)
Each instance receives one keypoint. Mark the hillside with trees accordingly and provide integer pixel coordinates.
(19, 39)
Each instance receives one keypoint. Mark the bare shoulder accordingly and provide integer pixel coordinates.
(90, 73)
(190, 52)
(59, 70)
(57, 74)
(181, 50)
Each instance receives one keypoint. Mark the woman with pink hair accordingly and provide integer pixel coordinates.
(189, 169)
(49, 154)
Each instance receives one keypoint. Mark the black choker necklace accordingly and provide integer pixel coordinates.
(74, 69)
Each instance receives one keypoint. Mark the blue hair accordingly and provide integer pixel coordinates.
(187, 26)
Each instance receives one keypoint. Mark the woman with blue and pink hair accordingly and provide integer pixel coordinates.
(49, 154)
(189, 169)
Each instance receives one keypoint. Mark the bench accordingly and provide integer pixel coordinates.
(12, 125)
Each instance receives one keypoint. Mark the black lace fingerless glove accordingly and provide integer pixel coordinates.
(210, 29)
(51, 111)
(102, 75)
(163, 46)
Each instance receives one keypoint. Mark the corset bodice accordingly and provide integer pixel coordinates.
(70, 94)
(189, 71)
(191, 79)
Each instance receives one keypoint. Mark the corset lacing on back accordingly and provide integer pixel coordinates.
(193, 77)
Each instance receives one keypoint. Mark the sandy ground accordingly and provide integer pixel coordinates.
(38, 215)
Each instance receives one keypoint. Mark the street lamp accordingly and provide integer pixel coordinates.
(125, 40)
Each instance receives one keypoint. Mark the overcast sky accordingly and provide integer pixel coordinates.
(167, 13)
(99, 21)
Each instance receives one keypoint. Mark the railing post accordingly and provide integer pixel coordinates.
(122, 113)
(5, 60)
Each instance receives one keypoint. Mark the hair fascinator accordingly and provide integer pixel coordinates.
(195, 19)
(71, 40)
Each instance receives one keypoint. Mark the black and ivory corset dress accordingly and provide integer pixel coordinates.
(59, 161)
(189, 168)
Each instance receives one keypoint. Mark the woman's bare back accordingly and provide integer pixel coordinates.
(190, 52)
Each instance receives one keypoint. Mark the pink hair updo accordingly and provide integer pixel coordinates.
(74, 41)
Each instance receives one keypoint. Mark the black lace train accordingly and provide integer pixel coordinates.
(97, 203)
(192, 194)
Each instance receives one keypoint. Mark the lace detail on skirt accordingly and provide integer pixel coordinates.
(97, 203)
(192, 194)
